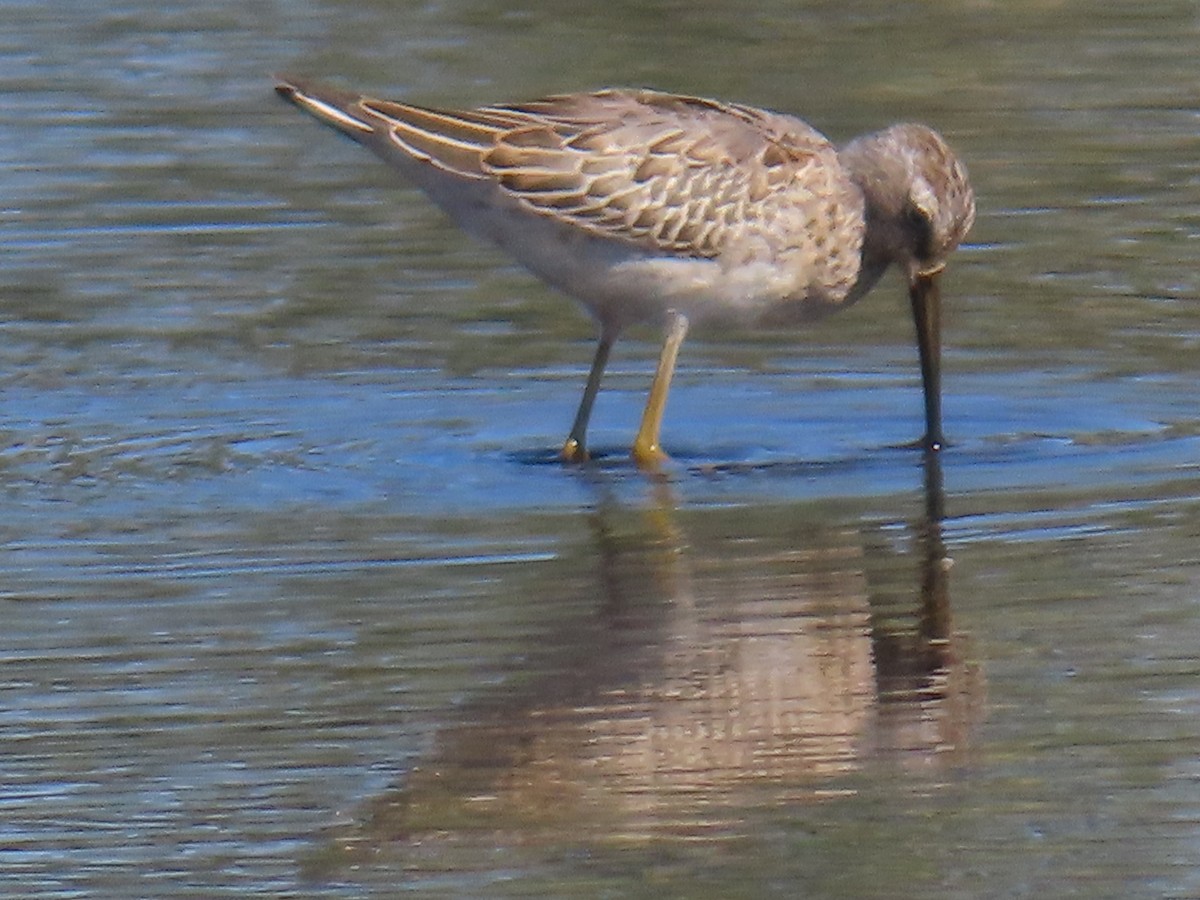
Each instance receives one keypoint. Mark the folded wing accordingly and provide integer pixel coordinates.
(664, 172)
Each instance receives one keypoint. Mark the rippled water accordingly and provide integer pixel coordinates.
(298, 604)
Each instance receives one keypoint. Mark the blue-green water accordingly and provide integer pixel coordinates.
(298, 604)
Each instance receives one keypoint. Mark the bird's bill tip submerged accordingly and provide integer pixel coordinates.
(925, 294)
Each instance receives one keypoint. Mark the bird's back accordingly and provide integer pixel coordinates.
(631, 178)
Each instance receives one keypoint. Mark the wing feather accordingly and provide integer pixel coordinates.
(677, 174)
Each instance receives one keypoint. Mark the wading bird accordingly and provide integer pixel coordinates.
(655, 207)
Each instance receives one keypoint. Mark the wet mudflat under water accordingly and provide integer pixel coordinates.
(297, 602)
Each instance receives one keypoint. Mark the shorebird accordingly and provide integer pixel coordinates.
(656, 207)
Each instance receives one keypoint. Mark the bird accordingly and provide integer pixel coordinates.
(663, 208)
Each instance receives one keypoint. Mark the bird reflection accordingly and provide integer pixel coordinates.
(733, 658)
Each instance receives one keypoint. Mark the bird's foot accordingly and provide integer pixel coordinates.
(649, 456)
(573, 451)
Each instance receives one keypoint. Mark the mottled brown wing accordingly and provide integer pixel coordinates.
(672, 173)
(666, 172)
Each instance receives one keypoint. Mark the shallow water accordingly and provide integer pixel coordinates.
(299, 604)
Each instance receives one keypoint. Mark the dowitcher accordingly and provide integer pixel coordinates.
(654, 207)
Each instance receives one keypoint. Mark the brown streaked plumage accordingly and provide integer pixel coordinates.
(648, 206)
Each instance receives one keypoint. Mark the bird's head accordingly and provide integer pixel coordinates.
(918, 205)
(919, 202)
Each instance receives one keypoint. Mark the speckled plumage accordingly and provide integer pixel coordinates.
(648, 206)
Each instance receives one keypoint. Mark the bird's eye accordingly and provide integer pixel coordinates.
(921, 230)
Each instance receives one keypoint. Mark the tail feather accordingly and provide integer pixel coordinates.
(328, 104)
(448, 140)
(455, 142)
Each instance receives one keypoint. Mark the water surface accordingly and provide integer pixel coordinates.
(298, 604)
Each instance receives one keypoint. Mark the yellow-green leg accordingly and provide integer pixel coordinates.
(574, 450)
(647, 452)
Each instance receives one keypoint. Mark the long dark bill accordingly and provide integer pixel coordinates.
(926, 297)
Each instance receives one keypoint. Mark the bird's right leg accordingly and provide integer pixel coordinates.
(574, 450)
